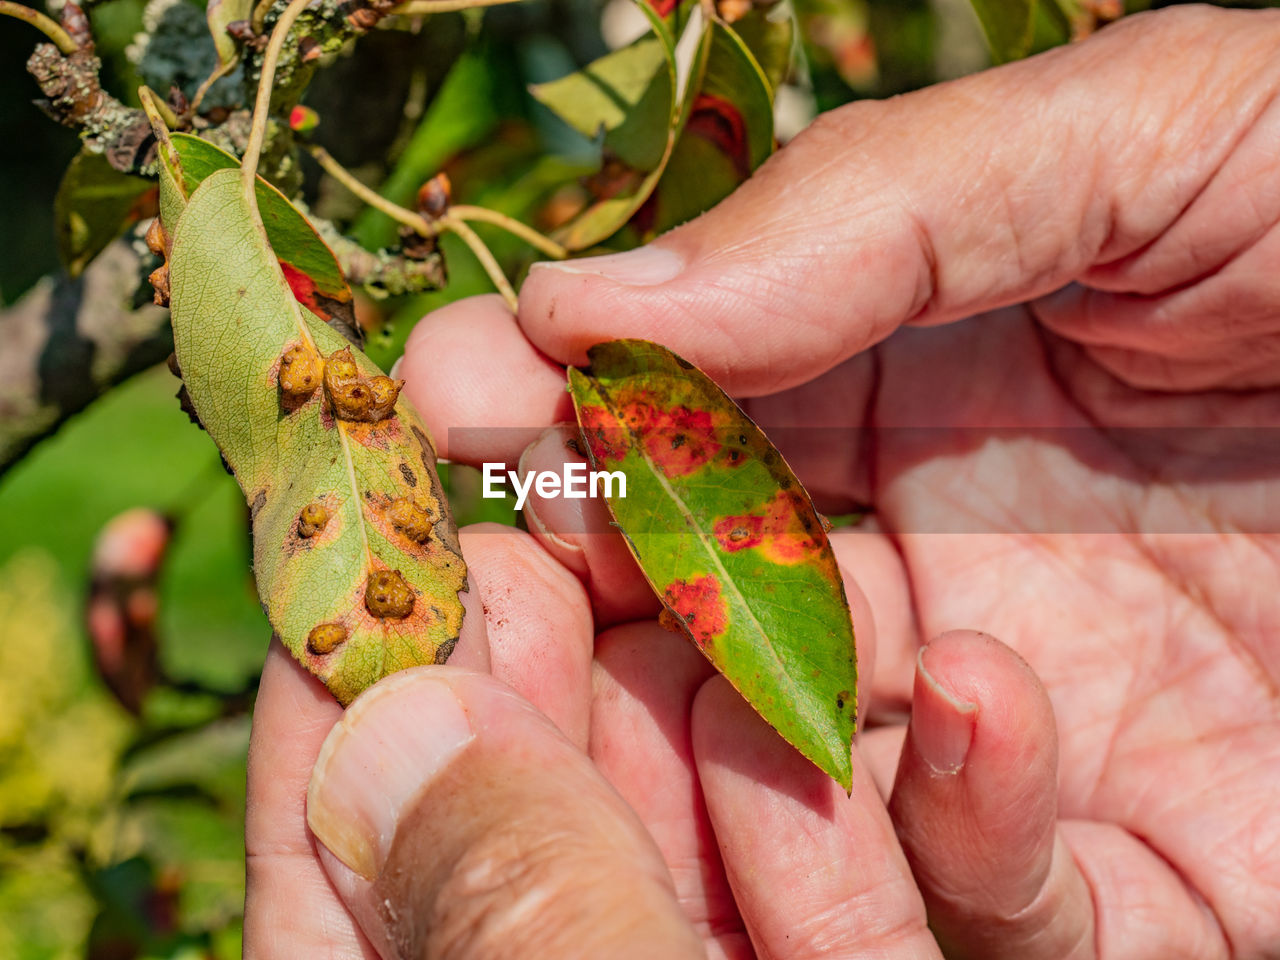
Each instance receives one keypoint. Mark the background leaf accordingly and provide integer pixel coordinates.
(94, 205)
(729, 540)
(644, 129)
(1009, 26)
(728, 132)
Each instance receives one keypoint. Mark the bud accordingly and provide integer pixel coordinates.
(303, 119)
(435, 196)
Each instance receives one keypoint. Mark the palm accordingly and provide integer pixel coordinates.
(1113, 564)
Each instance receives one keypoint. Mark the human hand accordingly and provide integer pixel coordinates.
(455, 820)
(1120, 191)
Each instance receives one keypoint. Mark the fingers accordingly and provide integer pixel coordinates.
(538, 624)
(855, 228)
(539, 627)
(976, 807)
(485, 827)
(975, 803)
(645, 682)
(581, 535)
(291, 909)
(482, 389)
(815, 873)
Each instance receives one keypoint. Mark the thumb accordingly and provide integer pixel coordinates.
(459, 822)
(940, 204)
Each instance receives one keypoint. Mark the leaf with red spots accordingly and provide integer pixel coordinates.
(728, 539)
(728, 126)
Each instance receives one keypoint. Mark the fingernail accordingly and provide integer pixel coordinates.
(642, 267)
(395, 367)
(942, 724)
(550, 449)
(388, 747)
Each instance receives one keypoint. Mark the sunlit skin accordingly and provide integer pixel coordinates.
(1111, 797)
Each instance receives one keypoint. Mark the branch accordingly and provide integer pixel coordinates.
(76, 99)
(68, 341)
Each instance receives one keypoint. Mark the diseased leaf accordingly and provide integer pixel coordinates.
(355, 554)
(94, 205)
(1009, 26)
(728, 539)
(727, 134)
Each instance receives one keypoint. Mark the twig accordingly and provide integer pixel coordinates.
(44, 24)
(463, 211)
(68, 341)
(371, 196)
(262, 105)
(425, 227)
(486, 258)
(415, 8)
(148, 96)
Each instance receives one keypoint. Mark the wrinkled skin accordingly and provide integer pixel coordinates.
(1106, 792)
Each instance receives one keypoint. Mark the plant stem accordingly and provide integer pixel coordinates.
(262, 105)
(486, 258)
(421, 7)
(525, 232)
(41, 22)
(370, 196)
(454, 220)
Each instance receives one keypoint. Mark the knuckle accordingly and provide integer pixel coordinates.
(511, 889)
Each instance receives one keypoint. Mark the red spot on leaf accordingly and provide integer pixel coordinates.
(719, 121)
(662, 8)
(739, 533)
(699, 606)
(680, 440)
(303, 287)
(787, 531)
(605, 436)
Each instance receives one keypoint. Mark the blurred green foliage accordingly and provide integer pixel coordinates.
(122, 835)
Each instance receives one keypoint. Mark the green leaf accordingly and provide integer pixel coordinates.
(728, 539)
(630, 95)
(355, 555)
(462, 114)
(1009, 26)
(94, 205)
(770, 39)
(220, 13)
(625, 95)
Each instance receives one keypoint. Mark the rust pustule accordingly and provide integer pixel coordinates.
(387, 596)
(410, 519)
(312, 519)
(159, 280)
(155, 239)
(300, 372)
(384, 392)
(326, 637)
(351, 401)
(354, 397)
